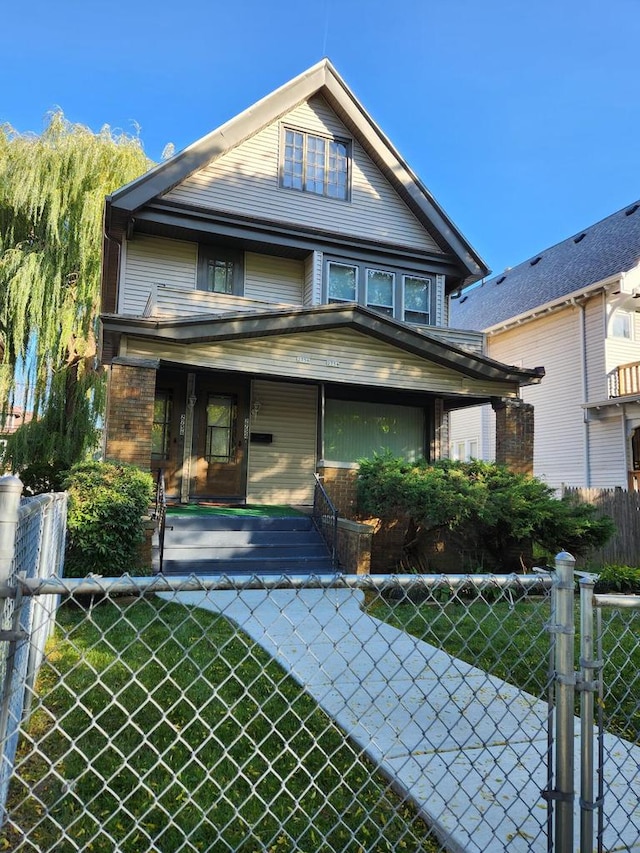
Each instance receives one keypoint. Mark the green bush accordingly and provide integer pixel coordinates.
(492, 511)
(618, 579)
(104, 524)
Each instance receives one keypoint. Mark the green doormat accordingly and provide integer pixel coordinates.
(263, 511)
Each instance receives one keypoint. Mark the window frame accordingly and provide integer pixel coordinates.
(399, 273)
(305, 178)
(375, 307)
(208, 252)
(618, 314)
(166, 397)
(429, 311)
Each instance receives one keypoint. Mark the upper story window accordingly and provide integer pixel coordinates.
(315, 164)
(220, 270)
(417, 299)
(622, 325)
(392, 292)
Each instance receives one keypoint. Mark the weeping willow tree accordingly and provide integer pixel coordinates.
(52, 191)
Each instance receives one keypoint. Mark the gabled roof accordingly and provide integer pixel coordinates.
(322, 79)
(606, 249)
(286, 321)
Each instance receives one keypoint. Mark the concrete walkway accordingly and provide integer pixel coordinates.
(466, 748)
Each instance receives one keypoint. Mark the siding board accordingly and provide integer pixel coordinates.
(343, 356)
(151, 260)
(375, 211)
(282, 472)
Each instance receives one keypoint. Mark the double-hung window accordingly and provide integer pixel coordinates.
(315, 164)
(389, 290)
(622, 325)
(380, 291)
(342, 282)
(220, 270)
(417, 299)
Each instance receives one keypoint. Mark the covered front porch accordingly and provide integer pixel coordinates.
(248, 408)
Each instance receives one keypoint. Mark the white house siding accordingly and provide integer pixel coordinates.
(282, 472)
(595, 349)
(375, 211)
(607, 453)
(472, 424)
(273, 279)
(155, 260)
(313, 279)
(554, 342)
(341, 355)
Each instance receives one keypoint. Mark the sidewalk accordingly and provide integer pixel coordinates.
(468, 749)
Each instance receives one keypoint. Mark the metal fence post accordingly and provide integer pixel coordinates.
(588, 665)
(10, 494)
(564, 793)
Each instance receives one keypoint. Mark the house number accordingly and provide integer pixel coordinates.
(183, 418)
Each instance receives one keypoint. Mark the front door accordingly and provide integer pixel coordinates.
(220, 438)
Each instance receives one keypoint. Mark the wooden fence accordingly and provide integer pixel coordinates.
(623, 549)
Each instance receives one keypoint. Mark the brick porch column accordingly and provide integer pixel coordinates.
(514, 435)
(131, 393)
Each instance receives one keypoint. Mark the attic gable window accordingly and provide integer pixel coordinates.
(315, 164)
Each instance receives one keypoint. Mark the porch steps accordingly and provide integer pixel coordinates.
(219, 544)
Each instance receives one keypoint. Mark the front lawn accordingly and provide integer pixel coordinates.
(163, 728)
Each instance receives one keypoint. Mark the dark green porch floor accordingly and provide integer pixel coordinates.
(260, 510)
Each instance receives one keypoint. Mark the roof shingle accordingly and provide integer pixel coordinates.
(610, 246)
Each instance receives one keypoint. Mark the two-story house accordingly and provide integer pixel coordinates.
(275, 304)
(574, 308)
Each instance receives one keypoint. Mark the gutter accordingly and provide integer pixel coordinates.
(555, 304)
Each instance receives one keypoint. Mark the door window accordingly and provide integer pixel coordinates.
(221, 416)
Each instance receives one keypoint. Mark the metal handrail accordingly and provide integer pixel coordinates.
(160, 514)
(325, 518)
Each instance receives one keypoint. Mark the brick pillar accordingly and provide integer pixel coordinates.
(132, 388)
(341, 485)
(514, 435)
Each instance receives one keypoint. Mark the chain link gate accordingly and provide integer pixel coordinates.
(336, 713)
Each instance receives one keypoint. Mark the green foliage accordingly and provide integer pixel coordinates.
(106, 503)
(491, 509)
(52, 190)
(619, 579)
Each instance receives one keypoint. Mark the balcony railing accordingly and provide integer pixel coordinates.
(625, 380)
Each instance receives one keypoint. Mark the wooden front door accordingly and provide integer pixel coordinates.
(167, 435)
(220, 438)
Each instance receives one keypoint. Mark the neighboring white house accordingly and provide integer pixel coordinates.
(275, 305)
(574, 309)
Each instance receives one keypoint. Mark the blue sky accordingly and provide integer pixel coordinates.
(522, 118)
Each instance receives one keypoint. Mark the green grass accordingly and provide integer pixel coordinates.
(160, 728)
(263, 511)
(513, 644)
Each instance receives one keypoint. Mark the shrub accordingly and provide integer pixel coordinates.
(618, 579)
(493, 512)
(104, 524)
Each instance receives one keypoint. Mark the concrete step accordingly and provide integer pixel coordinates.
(243, 544)
(238, 522)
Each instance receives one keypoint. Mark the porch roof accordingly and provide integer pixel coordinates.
(283, 321)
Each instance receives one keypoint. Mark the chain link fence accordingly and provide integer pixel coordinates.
(333, 713)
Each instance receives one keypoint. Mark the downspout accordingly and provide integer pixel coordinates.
(585, 391)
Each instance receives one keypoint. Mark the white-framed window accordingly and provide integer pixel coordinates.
(390, 290)
(381, 285)
(416, 299)
(315, 164)
(621, 325)
(465, 449)
(342, 282)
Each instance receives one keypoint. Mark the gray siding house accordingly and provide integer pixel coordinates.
(275, 305)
